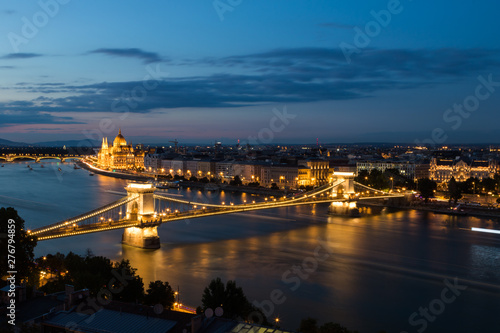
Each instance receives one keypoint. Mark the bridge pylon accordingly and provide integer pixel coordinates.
(142, 210)
(347, 185)
(346, 189)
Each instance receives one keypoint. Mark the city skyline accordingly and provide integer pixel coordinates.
(214, 71)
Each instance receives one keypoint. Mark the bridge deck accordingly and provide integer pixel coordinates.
(67, 231)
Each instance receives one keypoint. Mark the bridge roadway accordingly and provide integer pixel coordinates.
(38, 158)
(72, 222)
(70, 230)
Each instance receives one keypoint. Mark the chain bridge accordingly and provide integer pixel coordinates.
(143, 210)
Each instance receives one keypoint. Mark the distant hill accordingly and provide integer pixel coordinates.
(61, 143)
(8, 143)
(69, 143)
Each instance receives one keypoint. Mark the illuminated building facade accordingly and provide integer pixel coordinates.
(120, 156)
(319, 172)
(441, 170)
(405, 169)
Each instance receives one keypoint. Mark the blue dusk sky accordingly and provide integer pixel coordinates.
(198, 71)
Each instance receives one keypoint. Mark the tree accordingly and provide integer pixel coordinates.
(236, 181)
(232, 299)
(308, 325)
(179, 177)
(160, 293)
(454, 190)
(23, 244)
(93, 273)
(471, 185)
(426, 187)
(332, 327)
(274, 186)
(378, 180)
(133, 287)
(489, 185)
(363, 177)
(496, 177)
(214, 294)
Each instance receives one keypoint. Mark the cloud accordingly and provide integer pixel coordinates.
(8, 11)
(278, 76)
(30, 117)
(7, 67)
(392, 63)
(21, 56)
(146, 57)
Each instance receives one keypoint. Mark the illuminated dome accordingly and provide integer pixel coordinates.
(119, 140)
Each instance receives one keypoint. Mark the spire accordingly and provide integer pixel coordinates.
(119, 131)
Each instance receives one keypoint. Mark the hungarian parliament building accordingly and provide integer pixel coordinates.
(120, 156)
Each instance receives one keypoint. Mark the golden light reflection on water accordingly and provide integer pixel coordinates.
(150, 265)
(265, 245)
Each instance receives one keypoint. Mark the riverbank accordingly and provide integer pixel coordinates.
(120, 175)
(440, 209)
(185, 184)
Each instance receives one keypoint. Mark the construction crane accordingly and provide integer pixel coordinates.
(175, 142)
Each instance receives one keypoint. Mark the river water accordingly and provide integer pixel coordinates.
(371, 273)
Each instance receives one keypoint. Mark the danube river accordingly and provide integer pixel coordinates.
(371, 273)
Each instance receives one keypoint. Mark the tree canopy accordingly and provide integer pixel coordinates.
(93, 273)
(426, 187)
(23, 245)
(160, 293)
(454, 190)
(231, 298)
(310, 325)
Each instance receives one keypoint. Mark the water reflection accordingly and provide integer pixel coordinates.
(376, 262)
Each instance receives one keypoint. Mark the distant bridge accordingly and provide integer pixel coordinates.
(39, 157)
(140, 212)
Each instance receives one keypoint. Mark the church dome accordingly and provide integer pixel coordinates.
(119, 140)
